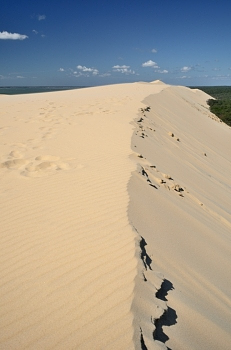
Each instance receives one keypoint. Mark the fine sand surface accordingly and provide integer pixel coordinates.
(115, 231)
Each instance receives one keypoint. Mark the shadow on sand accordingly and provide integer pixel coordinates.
(168, 318)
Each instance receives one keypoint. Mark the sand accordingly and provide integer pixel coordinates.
(115, 220)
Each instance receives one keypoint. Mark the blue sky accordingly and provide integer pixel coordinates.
(88, 43)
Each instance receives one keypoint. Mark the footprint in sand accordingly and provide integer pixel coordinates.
(19, 145)
(47, 157)
(13, 164)
(14, 161)
(48, 135)
(15, 154)
(45, 165)
(31, 167)
(44, 169)
(42, 165)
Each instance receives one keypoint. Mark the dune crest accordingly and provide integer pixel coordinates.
(157, 82)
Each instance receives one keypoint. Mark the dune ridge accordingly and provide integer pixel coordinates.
(115, 220)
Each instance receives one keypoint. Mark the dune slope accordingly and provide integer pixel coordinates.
(180, 204)
(115, 220)
(68, 260)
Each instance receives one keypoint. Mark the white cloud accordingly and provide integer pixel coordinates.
(164, 71)
(20, 77)
(154, 50)
(12, 36)
(41, 17)
(123, 69)
(61, 70)
(150, 63)
(85, 69)
(185, 69)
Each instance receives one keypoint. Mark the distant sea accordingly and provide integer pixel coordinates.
(17, 90)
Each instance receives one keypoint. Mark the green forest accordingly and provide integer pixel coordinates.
(221, 107)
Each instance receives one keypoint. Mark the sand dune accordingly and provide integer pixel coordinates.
(115, 220)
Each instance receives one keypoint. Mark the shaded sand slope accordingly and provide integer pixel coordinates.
(68, 263)
(180, 204)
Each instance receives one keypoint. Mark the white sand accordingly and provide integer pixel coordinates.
(76, 198)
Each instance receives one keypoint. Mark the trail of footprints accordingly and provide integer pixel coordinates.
(153, 176)
(51, 116)
(142, 131)
(157, 179)
(105, 106)
(41, 165)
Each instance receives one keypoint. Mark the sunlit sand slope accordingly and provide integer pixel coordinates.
(68, 260)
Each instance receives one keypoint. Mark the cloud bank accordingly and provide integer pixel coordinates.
(90, 70)
(12, 36)
(123, 69)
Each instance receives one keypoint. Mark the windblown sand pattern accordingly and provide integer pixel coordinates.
(115, 220)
